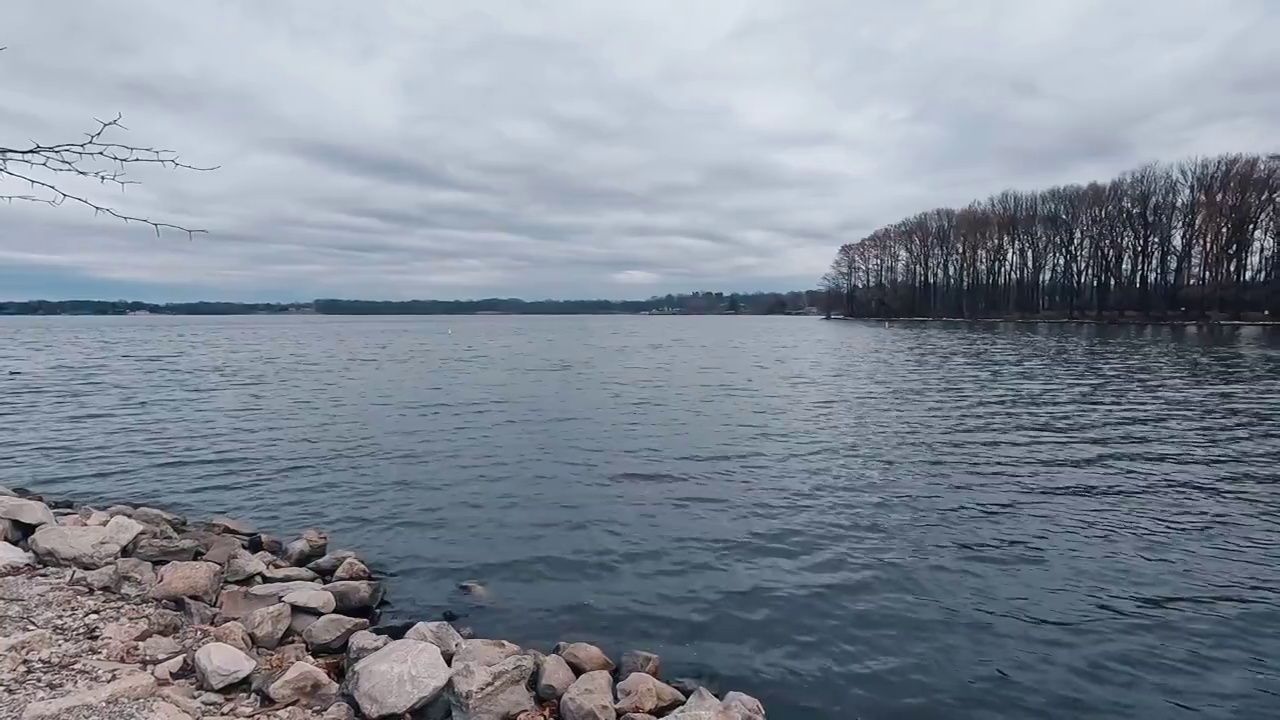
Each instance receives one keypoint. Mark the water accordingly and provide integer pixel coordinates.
(844, 519)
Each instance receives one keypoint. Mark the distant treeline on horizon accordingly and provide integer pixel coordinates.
(698, 303)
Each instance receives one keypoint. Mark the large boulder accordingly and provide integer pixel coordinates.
(492, 692)
(277, 591)
(319, 601)
(440, 633)
(194, 579)
(88, 548)
(484, 652)
(401, 677)
(311, 546)
(330, 563)
(13, 558)
(302, 681)
(329, 634)
(27, 512)
(363, 643)
(268, 625)
(554, 677)
(642, 693)
(702, 705)
(158, 550)
(219, 665)
(222, 524)
(241, 566)
(221, 548)
(156, 517)
(288, 574)
(106, 577)
(741, 706)
(301, 620)
(590, 697)
(352, 569)
(137, 577)
(355, 596)
(585, 658)
(634, 661)
(237, 602)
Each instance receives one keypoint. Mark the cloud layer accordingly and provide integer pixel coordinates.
(590, 149)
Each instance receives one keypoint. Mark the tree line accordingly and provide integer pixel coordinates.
(1193, 239)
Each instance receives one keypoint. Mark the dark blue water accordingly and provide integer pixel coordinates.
(846, 520)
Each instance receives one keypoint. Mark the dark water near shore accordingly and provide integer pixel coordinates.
(844, 519)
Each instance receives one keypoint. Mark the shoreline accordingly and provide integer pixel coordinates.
(1065, 321)
(135, 613)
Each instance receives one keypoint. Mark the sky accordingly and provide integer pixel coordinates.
(586, 148)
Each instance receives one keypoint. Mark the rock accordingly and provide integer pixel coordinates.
(492, 692)
(355, 595)
(167, 711)
(88, 548)
(585, 658)
(268, 625)
(235, 603)
(220, 548)
(97, 518)
(363, 643)
(440, 634)
(741, 706)
(222, 524)
(161, 550)
(263, 542)
(104, 578)
(130, 687)
(158, 648)
(241, 566)
(196, 612)
(11, 532)
(339, 711)
(269, 560)
(71, 521)
(401, 677)
(182, 696)
(352, 569)
(234, 634)
(137, 577)
(329, 634)
(157, 517)
(32, 640)
(164, 622)
(643, 693)
(330, 563)
(483, 652)
(638, 716)
(300, 621)
(288, 574)
(188, 579)
(219, 665)
(277, 591)
(12, 558)
(166, 670)
(27, 512)
(687, 686)
(311, 546)
(554, 677)
(590, 697)
(320, 601)
(702, 705)
(7, 492)
(302, 680)
(639, 661)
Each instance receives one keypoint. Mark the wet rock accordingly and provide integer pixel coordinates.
(234, 634)
(137, 577)
(634, 661)
(13, 558)
(362, 644)
(301, 681)
(584, 657)
(241, 566)
(330, 563)
(320, 601)
(311, 546)
(196, 612)
(268, 625)
(741, 706)
(643, 693)
(440, 634)
(354, 596)
(219, 665)
(590, 697)
(492, 692)
(352, 569)
(329, 634)
(164, 622)
(300, 621)
(158, 648)
(702, 705)
(104, 578)
(288, 574)
(554, 677)
(484, 652)
(401, 677)
(88, 548)
(194, 579)
(130, 687)
(222, 524)
(27, 512)
(220, 549)
(162, 550)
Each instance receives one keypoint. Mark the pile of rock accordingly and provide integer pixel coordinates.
(259, 625)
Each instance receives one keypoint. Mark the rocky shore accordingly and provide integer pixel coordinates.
(134, 613)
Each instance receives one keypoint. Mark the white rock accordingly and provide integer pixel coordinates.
(441, 634)
(554, 677)
(741, 706)
(301, 680)
(167, 669)
(288, 574)
(320, 601)
(403, 676)
(585, 658)
(219, 665)
(279, 590)
(363, 643)
(130, 687)
(492, 692)
(13, 558)
(702, 705)
(27, 512)
(590, 697)
(84, 547)
(480, 651)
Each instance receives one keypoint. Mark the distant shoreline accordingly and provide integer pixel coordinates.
(1076, 321)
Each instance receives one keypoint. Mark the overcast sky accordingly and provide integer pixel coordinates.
(589, 148)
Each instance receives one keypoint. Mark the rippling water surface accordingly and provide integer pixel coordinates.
(847, 520)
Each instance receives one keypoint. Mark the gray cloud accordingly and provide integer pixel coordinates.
(406, 149)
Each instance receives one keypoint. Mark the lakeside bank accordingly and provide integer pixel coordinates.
(134, 612)
(1068, 321)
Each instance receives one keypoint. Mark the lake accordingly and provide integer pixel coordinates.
(847, 520)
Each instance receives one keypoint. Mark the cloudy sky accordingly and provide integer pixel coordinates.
(588, 148)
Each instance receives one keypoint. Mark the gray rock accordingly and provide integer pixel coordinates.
(269, 560)
(585, 658)
(741, 706)
(68, 521)
(483, 652)
(355, 595)
(27, 512)
(288, 574)
(441, 634)
(157, 517)
(237, 602)
(277, 591)
(195, 579)
(219, 665)
(96, 518)
(158, 550)
(88, 548)
(268, 625)
(137, 577)
(329, 634)
(158, 648)
(130, 687)
(301, 681)
(220, 549)
(234, 634)
(363, 643)
(196, 612)
(352, 569)
(320, 601)
(702, 705)
(241, 566)
(639, 661)
(554, 677)
(401, 677)
(300, 621)
(492, 692)
(339, 711)
(11, 532)
(642, 693)
(590, 697)
(329, 564)
(13, 558)
(638, 716)
(164, 622)
(104, 578)
(311, 546)
(224, 524)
